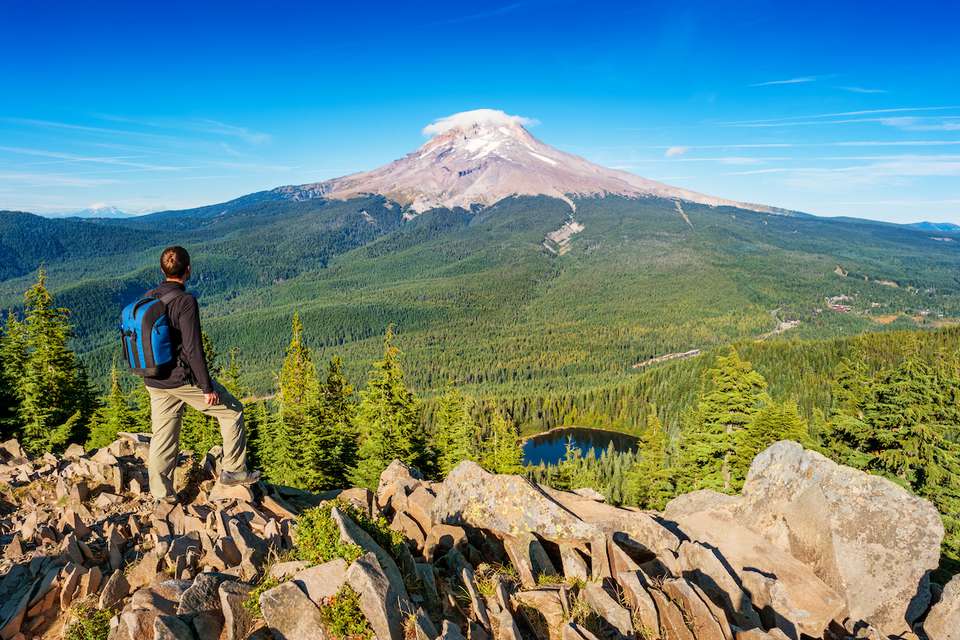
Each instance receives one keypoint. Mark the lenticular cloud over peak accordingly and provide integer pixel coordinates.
(476, 116)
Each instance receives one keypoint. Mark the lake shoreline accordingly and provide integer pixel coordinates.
(525, 439)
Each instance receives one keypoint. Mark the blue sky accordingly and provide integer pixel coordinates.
(839, 108)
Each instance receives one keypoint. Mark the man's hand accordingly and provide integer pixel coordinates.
(211, 398)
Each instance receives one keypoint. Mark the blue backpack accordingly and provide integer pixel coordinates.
(145, 334)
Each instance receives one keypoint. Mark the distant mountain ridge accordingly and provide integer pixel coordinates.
(934, 226)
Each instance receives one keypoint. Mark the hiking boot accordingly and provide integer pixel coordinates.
(234, 478)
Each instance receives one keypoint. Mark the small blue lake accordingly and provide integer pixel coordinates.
(550, 447)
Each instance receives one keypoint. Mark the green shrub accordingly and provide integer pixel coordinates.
(252, 603)
(342, 617)
(378, 528)
(317, 537)
(88, 623)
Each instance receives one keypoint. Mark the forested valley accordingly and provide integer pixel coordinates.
(885, 403)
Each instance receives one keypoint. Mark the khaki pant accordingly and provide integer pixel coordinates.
(166, 410)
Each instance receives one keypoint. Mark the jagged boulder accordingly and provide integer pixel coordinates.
(870, 540)
(505, 505)
(798, 594)
(943, 621)
(384, 605)
(290, 614)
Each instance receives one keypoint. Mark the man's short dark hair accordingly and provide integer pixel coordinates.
(174, 262)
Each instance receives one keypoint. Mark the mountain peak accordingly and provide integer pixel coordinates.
(482, 156)
(478, 122)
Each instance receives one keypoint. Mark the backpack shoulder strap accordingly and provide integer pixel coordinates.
(170, 296)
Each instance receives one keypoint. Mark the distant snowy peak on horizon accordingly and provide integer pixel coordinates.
(481, 157)
(93, 211)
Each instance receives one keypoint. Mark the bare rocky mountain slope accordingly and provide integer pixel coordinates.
(810, 549)
(483, 156)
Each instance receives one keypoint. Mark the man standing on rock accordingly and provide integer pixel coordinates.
(186, 381)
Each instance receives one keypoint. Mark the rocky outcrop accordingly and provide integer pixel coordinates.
(809, 550)
(870, 540)
(943, 621)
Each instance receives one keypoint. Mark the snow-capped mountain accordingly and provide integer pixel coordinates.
(93, 211)
(483, 156)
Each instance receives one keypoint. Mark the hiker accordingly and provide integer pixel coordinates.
(185, 380)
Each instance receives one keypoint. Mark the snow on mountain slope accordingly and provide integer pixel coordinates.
(483, 156)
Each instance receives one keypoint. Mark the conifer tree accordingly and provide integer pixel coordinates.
(562, 476)
(337, 455)
(55, 396)
(903, 428)
(388, 418)
(454, 431)
(649, 483)
(501, 450)
(295, 432)
(774, 422)
(113, 416)
(733, 395)
(140, 399)
(13, 356)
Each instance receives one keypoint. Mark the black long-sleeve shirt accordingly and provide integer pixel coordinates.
(189, 365)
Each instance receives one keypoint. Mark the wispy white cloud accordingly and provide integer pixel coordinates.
(868, 173)
(863, 90)
(480, 15)
(909, 123)
(69, 126)
(843, 114)
(52, 180)
(673, 152)
(216, 127)
(208, 126)
(799, 80)
(109, 160)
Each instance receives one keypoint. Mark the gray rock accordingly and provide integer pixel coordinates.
(672, 624)
(396, 479)
(801, 596)
(574, 565)
(405, 524)
(237, 621)
(172, 628)
(290, 614)
(695, 611)
(867, 538)
(115, 590)
(641, 527)
(528, 557)
(543, 611)
(353, 534)
(460, 566)
(203, 595)
(384, 606)
(450, 631)
(609, 609)
(283, 570)
(505, 505)
(322, 581)
(703, 567)
(505, 627)
(943, 621)
(421, 626)
(636, 594)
